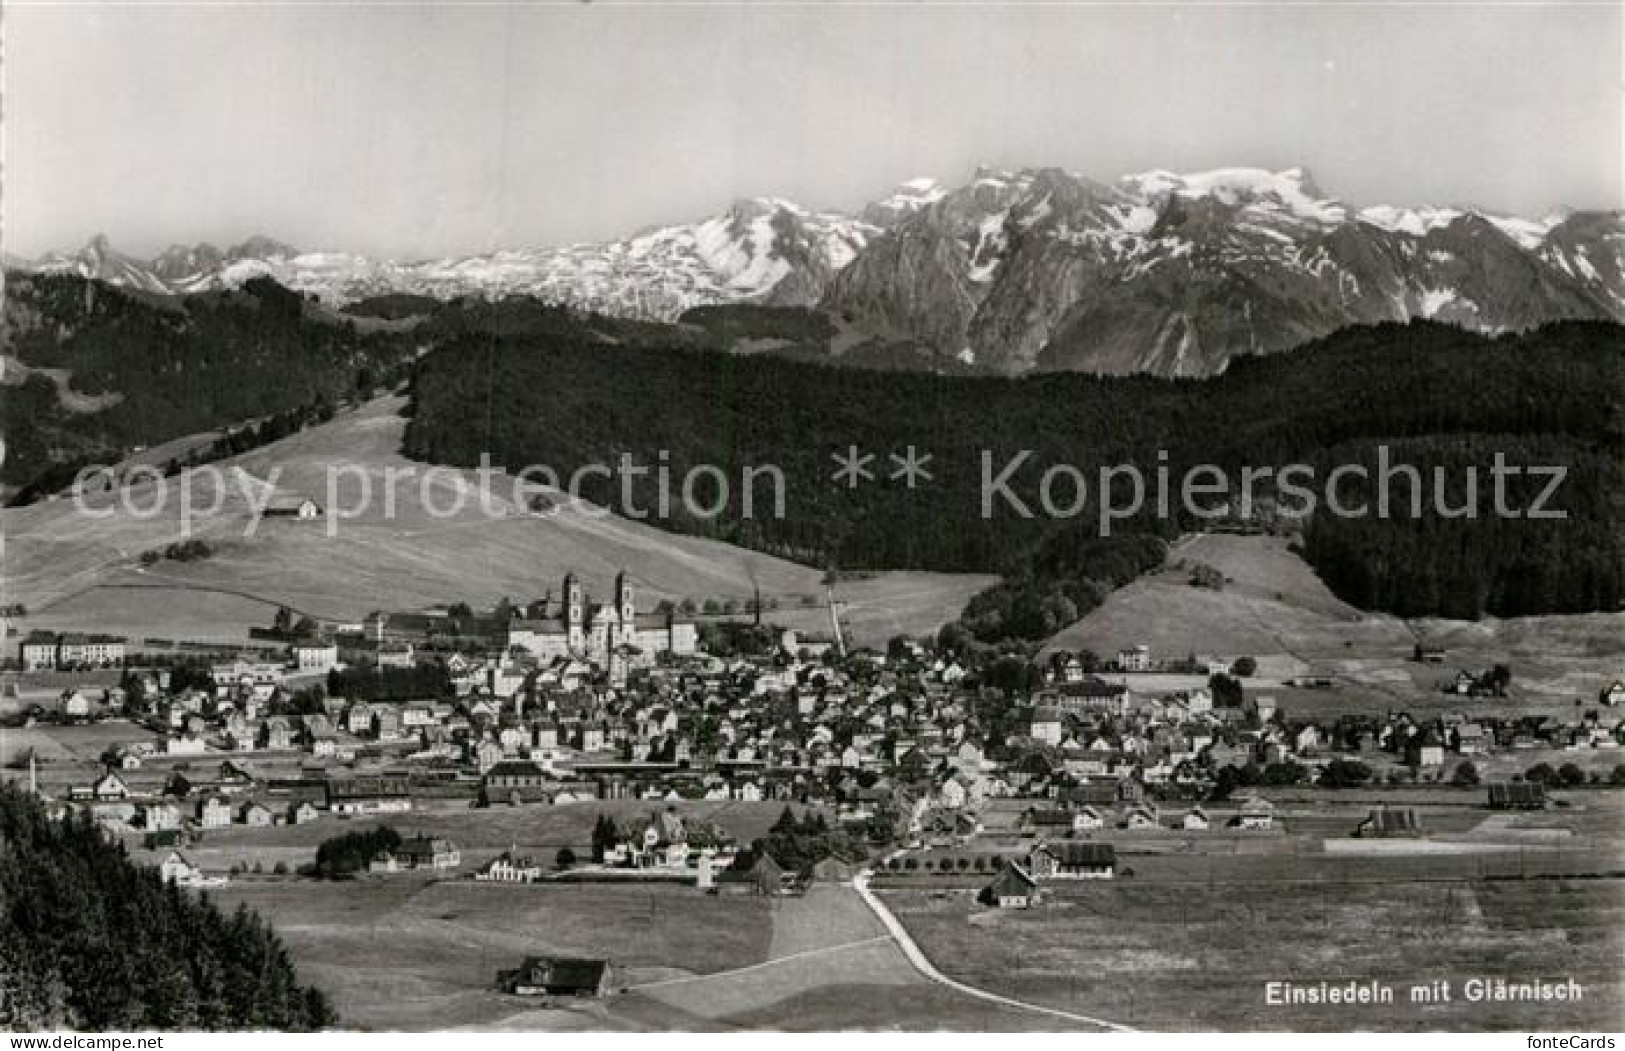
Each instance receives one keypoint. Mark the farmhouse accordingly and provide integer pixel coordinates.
(1141, 818)
(764, 876)
(1471, 739)
(509, 867)
(293, 507)
(662, 843)
(177, 869)
(1257, 815)
(1072, 861)
(110, 787)
(418, 852)
(1013, 888)
(558, 976)
(1425, 749)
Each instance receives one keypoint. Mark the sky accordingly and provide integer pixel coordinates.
(423, 130)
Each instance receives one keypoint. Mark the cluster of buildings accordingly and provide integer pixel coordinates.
(71, 651)
(568, 702)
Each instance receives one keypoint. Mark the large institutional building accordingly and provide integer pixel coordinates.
(598, 632)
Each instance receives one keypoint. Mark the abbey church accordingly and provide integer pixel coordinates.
(596, 632)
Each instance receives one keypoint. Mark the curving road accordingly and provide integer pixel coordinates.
(926, 968)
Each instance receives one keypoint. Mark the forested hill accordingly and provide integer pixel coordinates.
(564, 400)
(96, 370)
(90, 941)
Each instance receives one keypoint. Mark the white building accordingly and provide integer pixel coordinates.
(1134, 658)
(315, 658)
(598, 632)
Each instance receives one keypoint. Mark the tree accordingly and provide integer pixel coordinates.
(1466, 775)
(1570, 775)
(343, 856)
(1345, 773)
(604, 838)
(1540, 774)
(1244, 667)
(1227, 691)
(104, 944)
(565, 858)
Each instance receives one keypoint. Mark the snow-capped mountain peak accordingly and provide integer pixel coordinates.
(1175, 273)
(908, 198)
(1015, 270)
(1291, 192)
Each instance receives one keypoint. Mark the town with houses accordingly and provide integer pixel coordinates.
(921, 763)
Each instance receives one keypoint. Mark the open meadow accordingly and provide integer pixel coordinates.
(1274, 608)
(409, 953)
(1194, 956)
(404, 535)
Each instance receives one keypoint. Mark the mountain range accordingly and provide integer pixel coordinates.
(1014, 271)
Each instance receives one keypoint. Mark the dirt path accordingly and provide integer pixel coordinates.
(926, 968)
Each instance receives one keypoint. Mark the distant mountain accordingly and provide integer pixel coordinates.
(1174, 275)
(761, 250)
(98, 259)
(1014, 272)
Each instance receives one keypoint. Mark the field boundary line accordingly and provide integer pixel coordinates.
(923, 964)
(760, 966)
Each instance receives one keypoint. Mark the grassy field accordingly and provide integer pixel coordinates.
(1275, 609)
(1190, 957)
(411, 954)
(64, 755)
(404, 953)
(392, 552)
(827, 937)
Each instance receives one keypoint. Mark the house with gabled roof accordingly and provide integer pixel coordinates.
(1069, 859)
(1012, 888)
(558, 976)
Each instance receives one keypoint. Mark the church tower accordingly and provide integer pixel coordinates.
(623, 599)
(575, 613)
